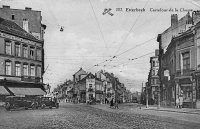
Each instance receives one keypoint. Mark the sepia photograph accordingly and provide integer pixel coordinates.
(99, 64)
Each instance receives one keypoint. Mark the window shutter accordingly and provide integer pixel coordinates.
(178, 60)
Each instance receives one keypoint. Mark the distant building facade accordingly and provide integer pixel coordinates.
(153, 79)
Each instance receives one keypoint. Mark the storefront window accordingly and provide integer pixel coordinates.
(186, 91)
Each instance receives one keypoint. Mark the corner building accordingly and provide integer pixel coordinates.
(21, 61)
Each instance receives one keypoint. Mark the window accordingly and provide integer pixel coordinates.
(17, 49)
(39, 54)
(25, 69)
(13, 17)
(25, 51)
(156, 72)
(38, 71)
(32, 53)
(157, 63)
(25, 25)
(8, 48)
(153, 72)
(17, 69)
(8, 67)
(153, 63)
(186, 60)
(32, 70)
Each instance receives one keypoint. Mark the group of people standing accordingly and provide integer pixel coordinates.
(179, 102)
(114, 103)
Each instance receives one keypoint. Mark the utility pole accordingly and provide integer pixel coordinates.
(147, 105)
(158, 97)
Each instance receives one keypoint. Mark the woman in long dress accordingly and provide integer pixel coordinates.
(177, 103)
(181, 101)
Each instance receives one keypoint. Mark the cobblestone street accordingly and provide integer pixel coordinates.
(81, 116)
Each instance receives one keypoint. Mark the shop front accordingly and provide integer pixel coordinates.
(187, 90)
(15, 88)
(82, 97)
(99, 96)
(198, 90)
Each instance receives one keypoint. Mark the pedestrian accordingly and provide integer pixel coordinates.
(180, 101)
(111, 103)
(116, 104)
(177, 102)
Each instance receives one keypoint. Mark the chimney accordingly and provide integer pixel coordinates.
(6, 7)
(156, 52)
(174, 19)
(27, 8)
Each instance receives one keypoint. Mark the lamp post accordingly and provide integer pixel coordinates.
(147, 104)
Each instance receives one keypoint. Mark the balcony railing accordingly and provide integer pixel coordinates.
(31, 79)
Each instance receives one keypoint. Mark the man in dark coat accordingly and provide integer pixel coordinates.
(111, 103)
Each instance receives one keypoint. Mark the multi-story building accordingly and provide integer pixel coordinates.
(90, 87)
(179, 62)
(100, 75)
(153, 78)
(111, 85)
(78, 90)
(21, 60)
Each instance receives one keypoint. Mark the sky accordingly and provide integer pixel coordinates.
(90, 38)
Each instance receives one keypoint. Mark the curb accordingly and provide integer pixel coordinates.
(187, 112)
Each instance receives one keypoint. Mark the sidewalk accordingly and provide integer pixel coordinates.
(183, 110)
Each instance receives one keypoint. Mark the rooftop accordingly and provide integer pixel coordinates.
(12, 28)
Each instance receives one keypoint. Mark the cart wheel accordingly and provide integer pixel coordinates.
(43, 106)
(33, 107)
(7, 106)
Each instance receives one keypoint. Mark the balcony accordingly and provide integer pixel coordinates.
(31, 79)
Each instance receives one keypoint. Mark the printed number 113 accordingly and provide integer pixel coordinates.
(118, 9)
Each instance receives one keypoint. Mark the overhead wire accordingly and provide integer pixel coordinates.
(130, 29)
(110, 59)
(100, 30)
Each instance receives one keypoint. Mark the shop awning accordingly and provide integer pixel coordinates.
(3, 91)
(26, 91)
